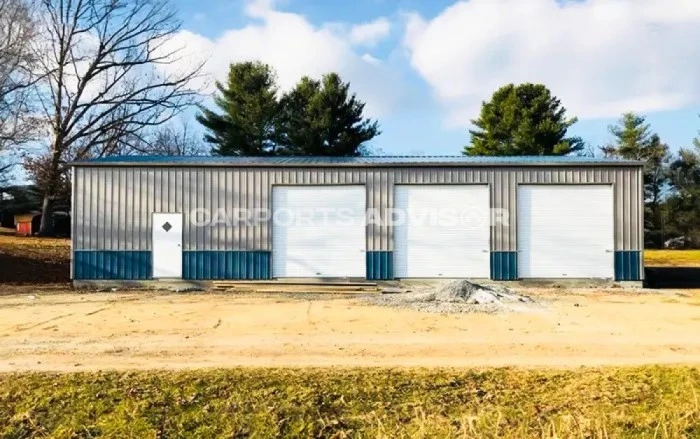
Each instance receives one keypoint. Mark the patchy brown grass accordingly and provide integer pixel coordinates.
(672, 258)
(34, 260)
(660, 402)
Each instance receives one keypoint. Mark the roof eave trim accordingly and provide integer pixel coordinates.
(350, 165)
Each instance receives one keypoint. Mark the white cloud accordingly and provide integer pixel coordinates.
(602, 57)
(370, 59)
(295, 48)
(370, 33)
(259, 8)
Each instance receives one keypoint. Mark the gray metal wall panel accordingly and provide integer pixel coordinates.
(113, 206)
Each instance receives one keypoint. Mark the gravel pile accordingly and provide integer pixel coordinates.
(458, 297)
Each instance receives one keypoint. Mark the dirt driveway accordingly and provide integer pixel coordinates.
(155, 330)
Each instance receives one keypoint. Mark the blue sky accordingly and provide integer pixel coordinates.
(424, 66)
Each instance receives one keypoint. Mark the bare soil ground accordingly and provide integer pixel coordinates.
(45, 325)
(49, 328)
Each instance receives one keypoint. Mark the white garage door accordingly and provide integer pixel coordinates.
(565, 231)
(446, 231)
(318, 231)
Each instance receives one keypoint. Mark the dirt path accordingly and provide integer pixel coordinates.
(153, 330)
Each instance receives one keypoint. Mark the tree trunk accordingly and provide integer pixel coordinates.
(46, 227)
(52, 182)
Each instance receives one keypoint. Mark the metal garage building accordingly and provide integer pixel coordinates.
(504, 218)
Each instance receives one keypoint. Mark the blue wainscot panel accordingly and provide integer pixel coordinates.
(504, 265)
(111, 265)
(380, 265)
(628, 265)
(225, 265)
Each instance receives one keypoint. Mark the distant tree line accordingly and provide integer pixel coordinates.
(671, 182)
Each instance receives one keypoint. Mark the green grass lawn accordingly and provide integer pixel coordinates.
(672, 258)
(661, 402)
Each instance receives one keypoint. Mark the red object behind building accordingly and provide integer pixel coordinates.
(24, 228)
(27, 224)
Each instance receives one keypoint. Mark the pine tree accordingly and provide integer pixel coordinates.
(322, 118)
(634, 140)
(522, 120)
(249, 113)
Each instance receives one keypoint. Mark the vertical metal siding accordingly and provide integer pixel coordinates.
(380, 265)
(113, 206)
(504, 265)
(628, 266)
(112, 264)
(220, 265)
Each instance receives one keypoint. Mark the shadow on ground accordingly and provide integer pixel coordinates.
(19, 269)
(33, 260)
(672, 277)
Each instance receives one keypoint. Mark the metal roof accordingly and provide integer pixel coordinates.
(309, 161)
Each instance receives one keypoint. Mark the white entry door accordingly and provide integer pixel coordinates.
(167, 245)
(318, 231)
(565, 231)
(445, 232)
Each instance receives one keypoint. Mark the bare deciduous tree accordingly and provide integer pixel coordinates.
(17, 31)
(110, 73)
(171, 140)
